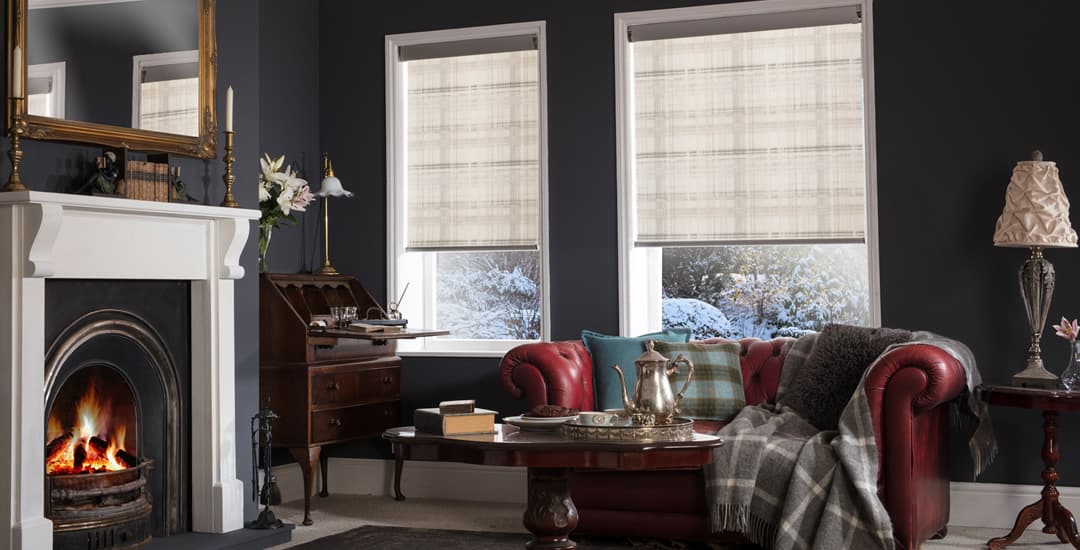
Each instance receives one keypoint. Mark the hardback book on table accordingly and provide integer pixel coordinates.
(480, 421)
(368, 326)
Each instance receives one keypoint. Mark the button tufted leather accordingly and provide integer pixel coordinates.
(555, 373)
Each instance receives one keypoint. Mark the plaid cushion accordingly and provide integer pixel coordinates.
(716, 391)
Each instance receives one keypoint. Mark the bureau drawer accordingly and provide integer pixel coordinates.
(353, 422)
(346, 388)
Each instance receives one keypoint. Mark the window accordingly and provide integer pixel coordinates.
(467, 185)
(45, 89)
(165, 96)
(745, 177)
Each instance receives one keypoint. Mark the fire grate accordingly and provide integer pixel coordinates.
(98, 511)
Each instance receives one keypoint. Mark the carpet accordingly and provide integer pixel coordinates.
(407, 538)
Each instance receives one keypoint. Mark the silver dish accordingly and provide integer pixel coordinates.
(679, 429)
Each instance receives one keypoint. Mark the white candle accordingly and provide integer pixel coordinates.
(228, 109)
(16, 72)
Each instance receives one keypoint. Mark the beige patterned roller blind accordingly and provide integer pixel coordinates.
(750, 137)
(473, 152)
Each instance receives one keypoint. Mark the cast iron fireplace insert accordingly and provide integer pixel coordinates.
(117, 387)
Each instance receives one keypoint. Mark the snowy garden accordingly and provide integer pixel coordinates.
(729, 292)
(764, 291)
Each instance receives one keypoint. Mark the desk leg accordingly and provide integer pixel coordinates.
(1056, 518)
(550, 514)
(324, 460)
(308, 457)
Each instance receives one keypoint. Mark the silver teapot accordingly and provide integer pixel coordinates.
(652, 391)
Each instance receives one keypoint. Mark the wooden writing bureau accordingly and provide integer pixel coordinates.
(326, 385)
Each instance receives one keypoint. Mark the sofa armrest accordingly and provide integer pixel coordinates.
(549, 373)
(910, 380)
(906, 390)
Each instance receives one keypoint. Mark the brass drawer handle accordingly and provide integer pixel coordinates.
(333, 386)
(387, 379)
(335, 422)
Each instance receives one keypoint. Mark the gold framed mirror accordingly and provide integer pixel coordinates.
(132, 74)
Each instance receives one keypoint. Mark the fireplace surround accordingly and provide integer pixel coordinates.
(59, 236)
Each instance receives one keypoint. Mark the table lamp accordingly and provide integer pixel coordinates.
(1036, 216)
(329, 187)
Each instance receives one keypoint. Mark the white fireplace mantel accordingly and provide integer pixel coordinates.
(56, 235)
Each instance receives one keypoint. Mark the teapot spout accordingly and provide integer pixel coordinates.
(627, 404)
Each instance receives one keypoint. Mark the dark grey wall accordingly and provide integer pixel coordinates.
(289, 64)
(52, 166)
(964, 90)
(98, 42)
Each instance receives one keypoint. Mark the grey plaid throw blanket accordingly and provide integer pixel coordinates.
(785, 485)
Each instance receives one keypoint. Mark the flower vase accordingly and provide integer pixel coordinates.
(264, 244)
(1071, 377)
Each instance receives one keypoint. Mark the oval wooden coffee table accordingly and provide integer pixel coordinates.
(550, 514)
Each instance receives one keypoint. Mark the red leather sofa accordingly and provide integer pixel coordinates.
(908, 390)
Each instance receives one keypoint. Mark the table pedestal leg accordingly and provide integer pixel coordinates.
(550, 514)
(1056, 518)
(398, 463)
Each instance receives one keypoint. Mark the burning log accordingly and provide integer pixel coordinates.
(80, 457)
(99, 445)
(57, 445)
(127, 458)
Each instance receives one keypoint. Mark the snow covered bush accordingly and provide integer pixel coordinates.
(489, 295)
(703, 320)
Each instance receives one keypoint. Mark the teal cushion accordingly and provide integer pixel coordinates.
(623, 351)
(716, 389)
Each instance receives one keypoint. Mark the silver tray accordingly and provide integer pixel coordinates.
(680, 429)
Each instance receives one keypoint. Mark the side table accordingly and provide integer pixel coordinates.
(1055, 517)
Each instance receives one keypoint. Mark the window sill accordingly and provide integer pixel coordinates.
(451, 353)
(459, 348)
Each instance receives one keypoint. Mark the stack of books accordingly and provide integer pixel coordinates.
(455, 418)
(147, 181)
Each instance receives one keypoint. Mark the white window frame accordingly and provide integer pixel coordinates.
(640, 268)
(57, 73)
(140, 62)
(396, 170)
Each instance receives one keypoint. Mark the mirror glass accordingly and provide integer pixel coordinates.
(128, 63)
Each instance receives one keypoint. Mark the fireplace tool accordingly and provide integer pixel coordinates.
(261, 434)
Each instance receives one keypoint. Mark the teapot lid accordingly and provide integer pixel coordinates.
(651, 355)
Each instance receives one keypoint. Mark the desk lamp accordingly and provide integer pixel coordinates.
(329, 187)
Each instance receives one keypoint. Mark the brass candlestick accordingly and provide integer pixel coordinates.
(18, 129)
(229, 178)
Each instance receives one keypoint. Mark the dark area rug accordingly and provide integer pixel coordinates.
(407, 538)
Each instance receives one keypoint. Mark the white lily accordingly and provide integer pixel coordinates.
(284, 200)
(264, 193)
(271, 169)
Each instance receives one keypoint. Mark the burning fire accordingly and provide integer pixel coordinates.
(83, 449)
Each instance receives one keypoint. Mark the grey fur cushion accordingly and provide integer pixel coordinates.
(821, 388)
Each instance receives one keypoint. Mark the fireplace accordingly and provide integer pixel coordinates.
(117, 373)
(72, 240)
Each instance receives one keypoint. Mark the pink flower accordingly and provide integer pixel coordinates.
(302, 198)
(1067, 330)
